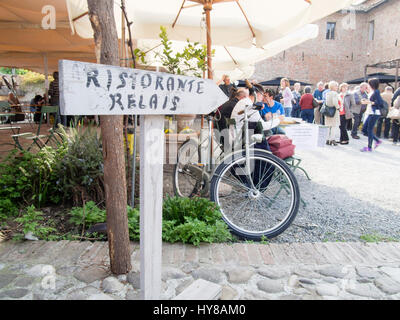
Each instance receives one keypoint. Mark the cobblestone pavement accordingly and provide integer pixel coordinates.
(306, 271)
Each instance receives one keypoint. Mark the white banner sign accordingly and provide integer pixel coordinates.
(95, 89)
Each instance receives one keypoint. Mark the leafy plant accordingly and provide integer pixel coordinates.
(32, 221)
(264, 240)
(88, 215)
(191, 61)
(140, 55)
(27, 178)
(193, 221)
(134, 223)
(9, 71)
(80, 171)
(187, 220)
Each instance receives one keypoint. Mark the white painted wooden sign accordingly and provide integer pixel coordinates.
(96, 89)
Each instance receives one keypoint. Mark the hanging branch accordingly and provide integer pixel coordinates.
(130, 44)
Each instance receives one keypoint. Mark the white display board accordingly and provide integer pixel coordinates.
(307, 136)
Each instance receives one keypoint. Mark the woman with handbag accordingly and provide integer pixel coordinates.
(332, 122)
(394, 114)
(307, 105)
(376, 105)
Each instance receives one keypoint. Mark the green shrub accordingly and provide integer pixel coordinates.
(88, 215)
(179, 209)
(33, 221)
(186, 220)
(134, 223)
(193, 221)
(27, 178)
(81, 169)
(14, 185)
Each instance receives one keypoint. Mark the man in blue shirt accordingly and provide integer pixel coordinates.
(318, 95)
(272, 109)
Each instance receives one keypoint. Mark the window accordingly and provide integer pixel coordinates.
(330, 30)
(371, 34)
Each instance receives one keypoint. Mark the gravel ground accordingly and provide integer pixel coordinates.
(351, 194)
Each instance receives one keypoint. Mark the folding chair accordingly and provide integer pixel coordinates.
(40, 140)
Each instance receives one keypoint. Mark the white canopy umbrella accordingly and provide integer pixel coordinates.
(234, 23)
(239, 63)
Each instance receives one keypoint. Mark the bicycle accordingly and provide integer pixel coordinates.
(257, 193)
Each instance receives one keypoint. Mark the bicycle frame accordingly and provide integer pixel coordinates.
(208, 163)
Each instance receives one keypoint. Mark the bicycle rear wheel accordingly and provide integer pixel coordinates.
(189, 178)
(264, 211)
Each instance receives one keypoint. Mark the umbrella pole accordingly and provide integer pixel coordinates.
(397, 73)
(46, 82)
(207, 9)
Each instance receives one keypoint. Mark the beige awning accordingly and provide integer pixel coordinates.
(24, 43)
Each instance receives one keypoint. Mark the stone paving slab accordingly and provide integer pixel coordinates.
(80, 270)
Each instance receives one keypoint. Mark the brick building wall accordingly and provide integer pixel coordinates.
(343, 58)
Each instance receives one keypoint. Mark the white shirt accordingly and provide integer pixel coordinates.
(253, 115)
(287, 98)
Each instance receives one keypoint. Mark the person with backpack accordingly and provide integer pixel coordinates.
(387, 96)
(377, 104)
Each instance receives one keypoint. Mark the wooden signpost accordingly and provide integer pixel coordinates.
(95, 89)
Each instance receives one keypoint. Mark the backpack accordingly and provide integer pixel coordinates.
(385, 109)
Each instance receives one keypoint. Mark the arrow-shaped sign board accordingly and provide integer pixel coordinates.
(96, 89)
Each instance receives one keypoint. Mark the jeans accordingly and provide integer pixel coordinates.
(395, 130)
(307, 115)
(288, 111)
(278, 130)
(379, 127)
(349, 124)
(296, 111)
(343, 126)
(372, 119)
(356, 124)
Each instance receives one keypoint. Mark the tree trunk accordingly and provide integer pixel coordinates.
(101, 14)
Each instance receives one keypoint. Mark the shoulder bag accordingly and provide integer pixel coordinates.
(328, 111)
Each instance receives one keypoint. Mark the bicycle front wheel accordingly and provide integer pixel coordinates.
(256, 203)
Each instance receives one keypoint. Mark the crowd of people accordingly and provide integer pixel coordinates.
(352, 108)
